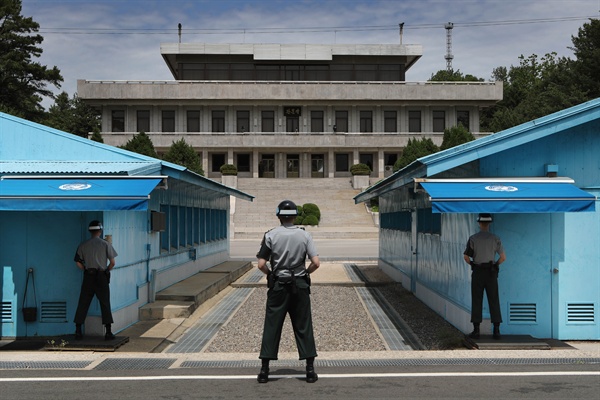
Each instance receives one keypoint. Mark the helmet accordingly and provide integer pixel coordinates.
(95, 226)
(485, 218)
(287, 208)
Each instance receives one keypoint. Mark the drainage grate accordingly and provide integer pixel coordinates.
(135, 363)
(198, 336)
(254, 277)
(44, 364)
(393, 362)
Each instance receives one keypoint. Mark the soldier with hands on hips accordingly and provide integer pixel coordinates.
(96, 257)
(286, 247)
(480, 254)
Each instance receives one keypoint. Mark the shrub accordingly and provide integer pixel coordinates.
(311, 209)
(228, 169)
(360, 169)
(310, 220)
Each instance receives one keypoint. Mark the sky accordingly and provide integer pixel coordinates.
(120, 39)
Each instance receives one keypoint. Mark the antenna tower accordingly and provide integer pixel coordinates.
(449, 55)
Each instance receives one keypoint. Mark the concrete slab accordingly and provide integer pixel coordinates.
(162, 309)
(508, 342)
(93, 343)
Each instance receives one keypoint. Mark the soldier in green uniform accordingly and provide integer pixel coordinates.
(287, 247)
(480, 253)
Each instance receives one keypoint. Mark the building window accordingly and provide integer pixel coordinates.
(243, 162)
(316, 72)
(439, 121)
(118, 121)
(268, 121)
(414, 121)
(168, 121)
(341, 72)
(366, 121)
(217, 161)
(390, 121)
(366, 72)
(143, 121)
(193, 121)
(292, 124)
(243, 121)
(316, 121)
(366, 158)
(342, 162)
(218, 121)
(341, 121)
(462, 118)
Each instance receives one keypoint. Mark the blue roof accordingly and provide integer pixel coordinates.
(462, 154)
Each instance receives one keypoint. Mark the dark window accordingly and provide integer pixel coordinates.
(143, 121)
(217, 161)
(462, 118)
(397, 220)
(292, 124)
(390, 121)
(168, 121)
(193, 121)
(390, 158)
(192, 71)
(293, 72)
(366, 72)
(366, 158)
(342, 162)
(366, 121)
(316, 121)
(428, 221)
(439, 121)
(268, 121)
(390, 72)
(217, 72)
(243, 121)
(414, 121)
(341, 121)
(242, 72)
(218, 121)
(341, 72)
(243, 162)
(267, 73)
(118, 121)
(316, 73)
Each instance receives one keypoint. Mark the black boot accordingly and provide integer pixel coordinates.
(311, 375)
(78, 332)
(108, 335)
(496, 334)
(263, 375)
(475, 334)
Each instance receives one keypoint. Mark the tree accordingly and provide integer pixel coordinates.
(73, 116)
(416, 148)
(455, 136)
(23, 82)
(97, 137)
(183, 154)
(141, 144)
(586, 47)
(444, 75)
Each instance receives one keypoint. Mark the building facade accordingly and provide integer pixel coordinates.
(288, 110)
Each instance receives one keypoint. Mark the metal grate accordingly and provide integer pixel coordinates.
(7, 311)
(582, 313)
(44, 364)
(135, 363)
(53, 311)
(524, 313)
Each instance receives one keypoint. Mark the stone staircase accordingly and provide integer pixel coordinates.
(340, 217)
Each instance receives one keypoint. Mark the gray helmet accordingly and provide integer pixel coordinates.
(95, 226)
(485, 218)
(287, 208)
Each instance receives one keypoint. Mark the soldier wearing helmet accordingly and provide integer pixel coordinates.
(96, 257)
(286, 247)
(480, 253)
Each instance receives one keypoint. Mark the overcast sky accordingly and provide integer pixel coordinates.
(120, 39)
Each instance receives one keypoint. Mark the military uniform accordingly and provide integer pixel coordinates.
(287, 247)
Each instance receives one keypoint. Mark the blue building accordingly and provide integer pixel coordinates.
(166, 223)
(549, 225)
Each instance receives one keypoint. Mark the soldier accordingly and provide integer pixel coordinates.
(480, 253)
(287, 247)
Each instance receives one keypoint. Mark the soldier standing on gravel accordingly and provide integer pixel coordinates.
(286, 247)
(480, 253)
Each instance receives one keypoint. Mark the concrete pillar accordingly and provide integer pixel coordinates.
(230, 156)
(355, 157)
(255, 163)
(380, 163)
(205, 161)
(330, 164)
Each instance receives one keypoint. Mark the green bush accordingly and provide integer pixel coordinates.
(311, 209)
(299, 220)
(310, 220)
(360, 169)
(228, 169)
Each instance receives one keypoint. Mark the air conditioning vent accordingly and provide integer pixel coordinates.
(522, 313)
(7, 311)
(53, 311)
(580, 313)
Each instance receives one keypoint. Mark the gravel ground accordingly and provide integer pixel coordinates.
(340, 321)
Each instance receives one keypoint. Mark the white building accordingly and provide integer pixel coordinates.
(288, 110)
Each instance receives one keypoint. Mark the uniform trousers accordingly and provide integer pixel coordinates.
(94, 283)
(282, 300)
(485, 278)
